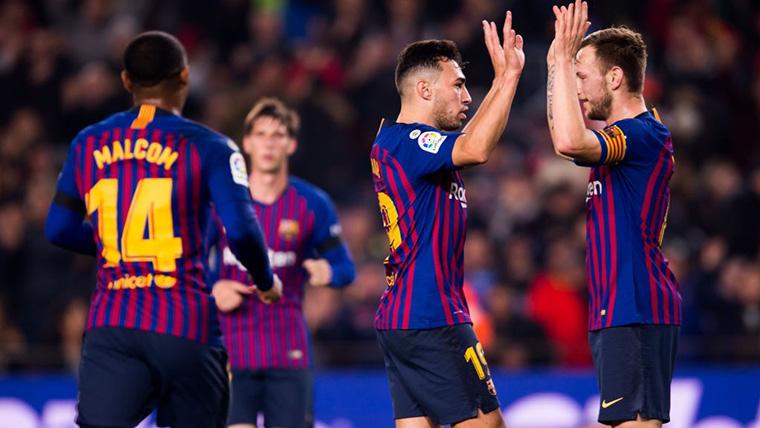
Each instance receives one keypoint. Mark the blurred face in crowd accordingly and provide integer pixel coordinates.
(269, 145)
(593, 93)
(450, 97)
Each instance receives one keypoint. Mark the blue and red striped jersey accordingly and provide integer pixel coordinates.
(301, 224)
(146, 179)
(424, 212)
(628, 197)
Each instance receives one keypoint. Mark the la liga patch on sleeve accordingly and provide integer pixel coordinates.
(238, 170)
(430, 141)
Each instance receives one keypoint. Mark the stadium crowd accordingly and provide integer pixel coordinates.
(333, 61)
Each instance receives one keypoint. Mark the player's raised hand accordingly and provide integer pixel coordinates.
(273, 294)
(319, 270)
(507, 58)
(229, 294)
(570, 25)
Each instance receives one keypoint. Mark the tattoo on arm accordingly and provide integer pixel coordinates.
(549, 89)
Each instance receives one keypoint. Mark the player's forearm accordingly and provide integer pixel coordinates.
(488, 124)
(550, 99)
(564, 112)
(247, 242)
(67, 230)
(343, 269)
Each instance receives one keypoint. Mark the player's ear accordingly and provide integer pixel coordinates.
(292, 145)
(247, 144)
(424, 89)
(614, 77)
(184, 76)
(125, 81)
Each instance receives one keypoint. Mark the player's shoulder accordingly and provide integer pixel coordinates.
(98, 129)
(313, 194)
(204, 136)
(403, 137)
(394, 133)
(645, 126)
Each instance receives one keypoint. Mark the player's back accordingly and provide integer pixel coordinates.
(141, 175)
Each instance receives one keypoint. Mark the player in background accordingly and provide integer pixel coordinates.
(135, 191)
(635, 302)
(269, 348)
(435, 364)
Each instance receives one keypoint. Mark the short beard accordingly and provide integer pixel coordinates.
(602, 109)
(447, 123)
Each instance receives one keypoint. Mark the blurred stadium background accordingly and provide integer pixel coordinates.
(333, 61)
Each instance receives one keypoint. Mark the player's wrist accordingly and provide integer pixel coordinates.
(506, 81)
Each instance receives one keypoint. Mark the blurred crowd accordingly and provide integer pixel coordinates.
(333, 61)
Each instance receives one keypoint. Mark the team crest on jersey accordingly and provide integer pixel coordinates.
(430, 141)
(288, 229)
(613, 132)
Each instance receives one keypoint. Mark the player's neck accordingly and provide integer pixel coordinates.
(626, 108)
(267, 187)
(162, 103)
(410, 114)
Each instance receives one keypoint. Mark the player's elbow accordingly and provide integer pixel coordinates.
(565, 147)
(55, 231)
(345, 275)
(470, 157)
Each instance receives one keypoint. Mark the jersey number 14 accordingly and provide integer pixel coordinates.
(151, 207)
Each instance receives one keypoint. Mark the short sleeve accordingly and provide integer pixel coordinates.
(625, 141)
(424, 150)
(327, 230)
(226, 172)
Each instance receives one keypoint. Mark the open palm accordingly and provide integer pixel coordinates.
(507, 57)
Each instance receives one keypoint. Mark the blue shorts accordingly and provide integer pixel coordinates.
(124, 374)
(439, 373)
(284, 396)
(634, 367)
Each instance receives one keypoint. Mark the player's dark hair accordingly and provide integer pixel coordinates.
(622, 47)
(425, 54)
(154, 57)
(276, 109)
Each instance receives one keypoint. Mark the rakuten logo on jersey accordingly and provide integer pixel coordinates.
(278, 259)
(594, 189)
(458, 192)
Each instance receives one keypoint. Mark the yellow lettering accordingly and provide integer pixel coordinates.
(102, 157)
(110, 285)
(168, 157)
(118, 151)
(165, 281)
(140, 145)
(141, 281)
(128, 149)
(154, 152)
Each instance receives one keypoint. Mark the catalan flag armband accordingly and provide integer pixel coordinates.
(615, 141)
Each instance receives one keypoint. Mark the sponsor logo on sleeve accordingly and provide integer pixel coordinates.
(237, 169)
(430, 141)
(414, 134)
